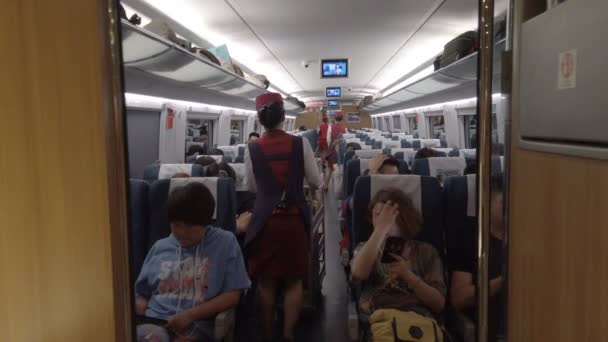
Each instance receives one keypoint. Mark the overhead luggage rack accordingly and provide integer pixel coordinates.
(156, 66)
(453, 82)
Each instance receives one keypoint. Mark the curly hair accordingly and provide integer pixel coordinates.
(409, 219)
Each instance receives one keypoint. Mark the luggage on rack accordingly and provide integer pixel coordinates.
(264, 80)
(135, 19)
(460, 47)
(164, 30)
(238, 70)
(206, 55)
(437, 63)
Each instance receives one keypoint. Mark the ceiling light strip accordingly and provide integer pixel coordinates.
(426, 19)
(435, 106)
(262, 42)
(153, 102)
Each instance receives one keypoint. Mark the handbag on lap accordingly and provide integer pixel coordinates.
(391, 325)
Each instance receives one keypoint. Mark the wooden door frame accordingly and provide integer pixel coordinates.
(116, 149)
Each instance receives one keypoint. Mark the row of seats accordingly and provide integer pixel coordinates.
(157, 171)
(407, 154)
(448, 212)
(445, 209)
(148, 213)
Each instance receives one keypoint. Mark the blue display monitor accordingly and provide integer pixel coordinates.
(333, 103)
(333, 92)
(334, 68)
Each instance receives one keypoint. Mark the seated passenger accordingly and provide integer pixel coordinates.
(464, 266)
(181, 175)
(426, 152)
(221, 170)
(253, 136)
(383, 165)
(216, 152)
(205, 161)
(379, 165)
(190, 276)
(411, 279)
(195, 149)
(352, 146)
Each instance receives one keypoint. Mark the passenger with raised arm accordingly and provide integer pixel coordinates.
(190, 276)
(383, 165)
(402, 278)
(464, 266)
(277, 239)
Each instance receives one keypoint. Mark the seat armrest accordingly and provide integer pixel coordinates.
(224, 324)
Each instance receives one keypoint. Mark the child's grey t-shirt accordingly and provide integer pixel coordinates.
(174, 278)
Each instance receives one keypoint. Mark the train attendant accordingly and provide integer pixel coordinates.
(277, 239)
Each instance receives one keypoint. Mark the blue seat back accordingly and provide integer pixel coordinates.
(425, 192)
(357, 167)
(138, 224)
(459, 193)
(354, 168)
(225, 204)
(406, 144)
(158, 171)
(441, 167)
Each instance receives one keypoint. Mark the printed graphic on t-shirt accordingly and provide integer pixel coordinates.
(187, 279)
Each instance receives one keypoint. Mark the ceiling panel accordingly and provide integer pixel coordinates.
(273, 37)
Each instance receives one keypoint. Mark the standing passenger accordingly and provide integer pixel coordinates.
(322, 147)
(333, 137)
(276, 242)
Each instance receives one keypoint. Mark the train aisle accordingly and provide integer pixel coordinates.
(331, 324)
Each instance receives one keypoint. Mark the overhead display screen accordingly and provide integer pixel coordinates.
(333, 92)
(334, 68)
(333, 103)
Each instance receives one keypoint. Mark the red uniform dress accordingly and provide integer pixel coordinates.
(322, 140)
(281, 249)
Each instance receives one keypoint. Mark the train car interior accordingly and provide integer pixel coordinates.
(307, 171)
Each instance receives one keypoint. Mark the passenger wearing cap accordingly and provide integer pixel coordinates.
(276, 242)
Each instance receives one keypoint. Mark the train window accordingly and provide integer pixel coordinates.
(236, 132)
(397, 122)
(436, 126)
(470, 130)
(412, 124)
(199, 131)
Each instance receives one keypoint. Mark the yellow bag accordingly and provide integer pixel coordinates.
(390, 325)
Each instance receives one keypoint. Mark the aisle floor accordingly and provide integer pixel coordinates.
(331, 325)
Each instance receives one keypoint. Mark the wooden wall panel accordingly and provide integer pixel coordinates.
(56, 255)
(558, 263)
